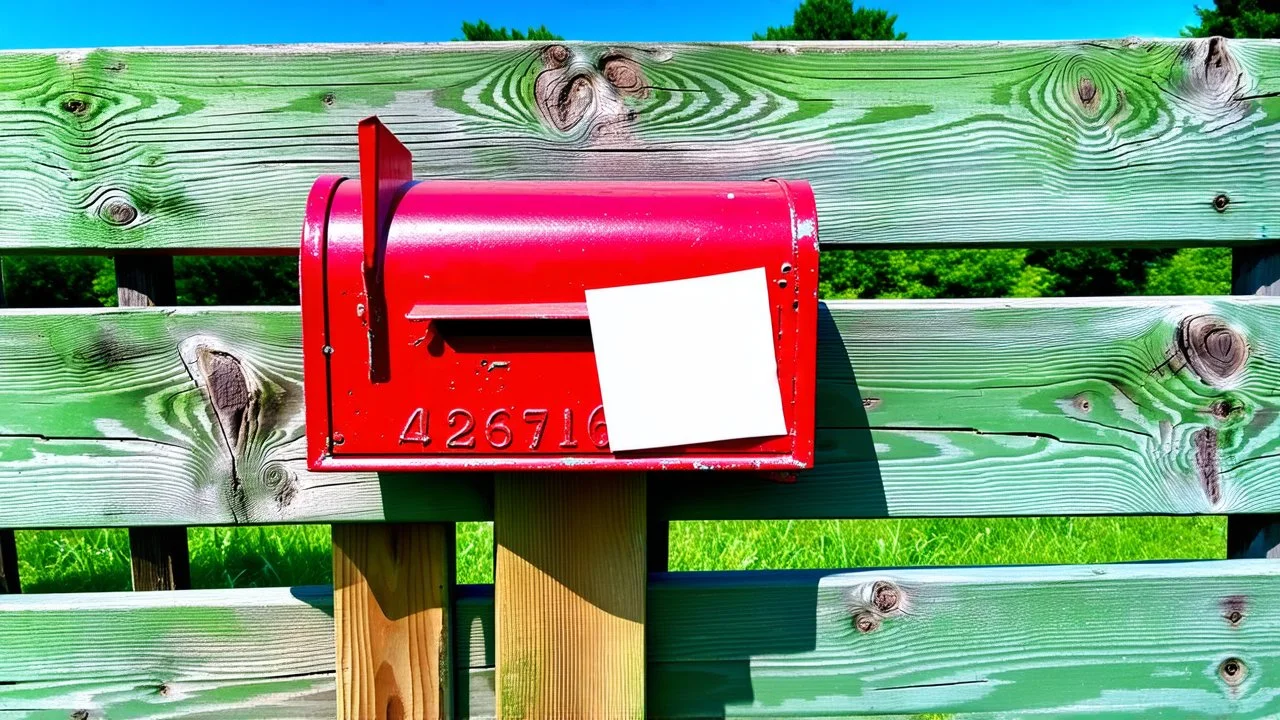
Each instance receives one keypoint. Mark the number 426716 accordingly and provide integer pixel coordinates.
(500, 431)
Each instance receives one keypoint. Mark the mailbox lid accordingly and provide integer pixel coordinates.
(522, 393)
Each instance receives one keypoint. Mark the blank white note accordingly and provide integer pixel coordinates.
(687, 361)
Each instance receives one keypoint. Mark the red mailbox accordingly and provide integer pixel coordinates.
(445, 328)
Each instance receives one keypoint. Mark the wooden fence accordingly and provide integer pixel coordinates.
(159, 418)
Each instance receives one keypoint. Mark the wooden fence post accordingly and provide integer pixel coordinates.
(159, 555)
(569, 594)
(392, 607)
(1254, 271)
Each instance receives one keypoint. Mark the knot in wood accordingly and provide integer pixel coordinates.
(228, 392)
(1222, 409)
(1221, 202)
(1233, 671)
(282, 483)
(1205, 441)
(117, 211)
(1233, 609)
(1087, 92)
(886, 597)
(624, 74)
(1212, 81)
(866, 622)
(1214, 350)
(563, 100)
(75, 106)
(555, 57)
(328, 99)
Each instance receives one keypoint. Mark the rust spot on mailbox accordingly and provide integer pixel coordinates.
(407, 286)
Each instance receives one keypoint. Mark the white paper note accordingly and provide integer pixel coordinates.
(687, 361)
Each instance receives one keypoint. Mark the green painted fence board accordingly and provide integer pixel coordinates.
(953, 408)
(1180, 640)
(1089, 641)
(194, 653)
(906, 143)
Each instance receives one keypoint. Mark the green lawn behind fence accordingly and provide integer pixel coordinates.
(88, 560)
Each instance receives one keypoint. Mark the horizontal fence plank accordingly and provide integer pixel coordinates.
(925, 408)
(194, 653)
(1102, 640)
(907, 144)
(1162, 639)
(108, 418)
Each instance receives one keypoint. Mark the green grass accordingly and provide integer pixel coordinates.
(92, 560)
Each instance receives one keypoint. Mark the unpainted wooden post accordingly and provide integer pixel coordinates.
(569, 594)
(159, 554)
(392, 604)
(1254, 271)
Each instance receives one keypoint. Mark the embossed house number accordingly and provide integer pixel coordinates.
(500, 432)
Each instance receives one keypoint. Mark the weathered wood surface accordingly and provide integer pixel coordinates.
(1193, 640)
(907, 144)
(1163, 639)
(569, 585)
(195, 653)
(1005, 407)
(161, 417)
(392, 602)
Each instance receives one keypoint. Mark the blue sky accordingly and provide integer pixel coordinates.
(76, 23)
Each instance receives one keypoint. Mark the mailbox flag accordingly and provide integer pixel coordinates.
(687, 361)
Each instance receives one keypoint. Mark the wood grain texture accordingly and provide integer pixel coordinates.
(906, 143)
(1254, 271)
(1029, 407)
(1002, 407)
(159, 555)
(189, 653)
(392, 606)
(1142, 640)
(114, 418)
(569, 594)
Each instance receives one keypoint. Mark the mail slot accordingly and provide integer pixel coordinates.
(445, 323)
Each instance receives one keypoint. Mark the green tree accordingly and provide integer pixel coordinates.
(483, 31)
(32, 281)
(1092, 271)
(236, 280)
(1191, 271)
(835, 20)
(1237, 19)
